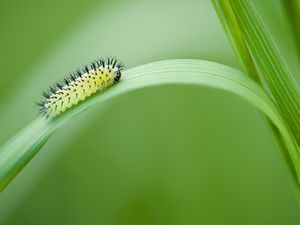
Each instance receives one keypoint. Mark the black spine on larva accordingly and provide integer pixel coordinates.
(86, 69)
(66, 81)
(42, 108)
(72, 76)
(93, 65)
(120, 66)
(78, 73)
(45, 94)
(114, 62)
(40, 104)
(98, 63)
(59, 85)
(53, 90)
(102, 62)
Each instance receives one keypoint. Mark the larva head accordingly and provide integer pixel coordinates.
(117, 75)
(118, 67)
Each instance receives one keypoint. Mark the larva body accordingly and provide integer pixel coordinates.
(80, 85)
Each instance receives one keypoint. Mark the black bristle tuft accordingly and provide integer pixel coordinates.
(120, 66)
(66, 81)
(93, 65)
(46, 95)
(114, 63)
(86, 69)
(40, 104)
(102, 62)
(59, 85)
(53, 90)
(78, 73)
(72, 76)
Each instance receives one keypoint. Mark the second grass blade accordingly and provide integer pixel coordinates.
(271, 66)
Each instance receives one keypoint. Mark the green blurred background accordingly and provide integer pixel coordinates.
(173, 154)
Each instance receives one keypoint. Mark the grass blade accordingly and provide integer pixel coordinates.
(273, 70)
(292, 8)
(242, 52)
(22, 148)
(236, 39)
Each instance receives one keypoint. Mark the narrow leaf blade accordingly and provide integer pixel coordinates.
(22, 148)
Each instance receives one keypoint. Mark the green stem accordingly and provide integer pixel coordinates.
(236, 39)
(239, 44)
(292, 8)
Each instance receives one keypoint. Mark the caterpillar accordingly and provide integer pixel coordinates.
(79, 85)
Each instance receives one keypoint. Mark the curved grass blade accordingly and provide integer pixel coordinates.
(22, 148)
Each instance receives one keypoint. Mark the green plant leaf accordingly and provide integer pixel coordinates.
(292, 8)
(241, 50)
(22, 148)
(268, 61)
(236, 38)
